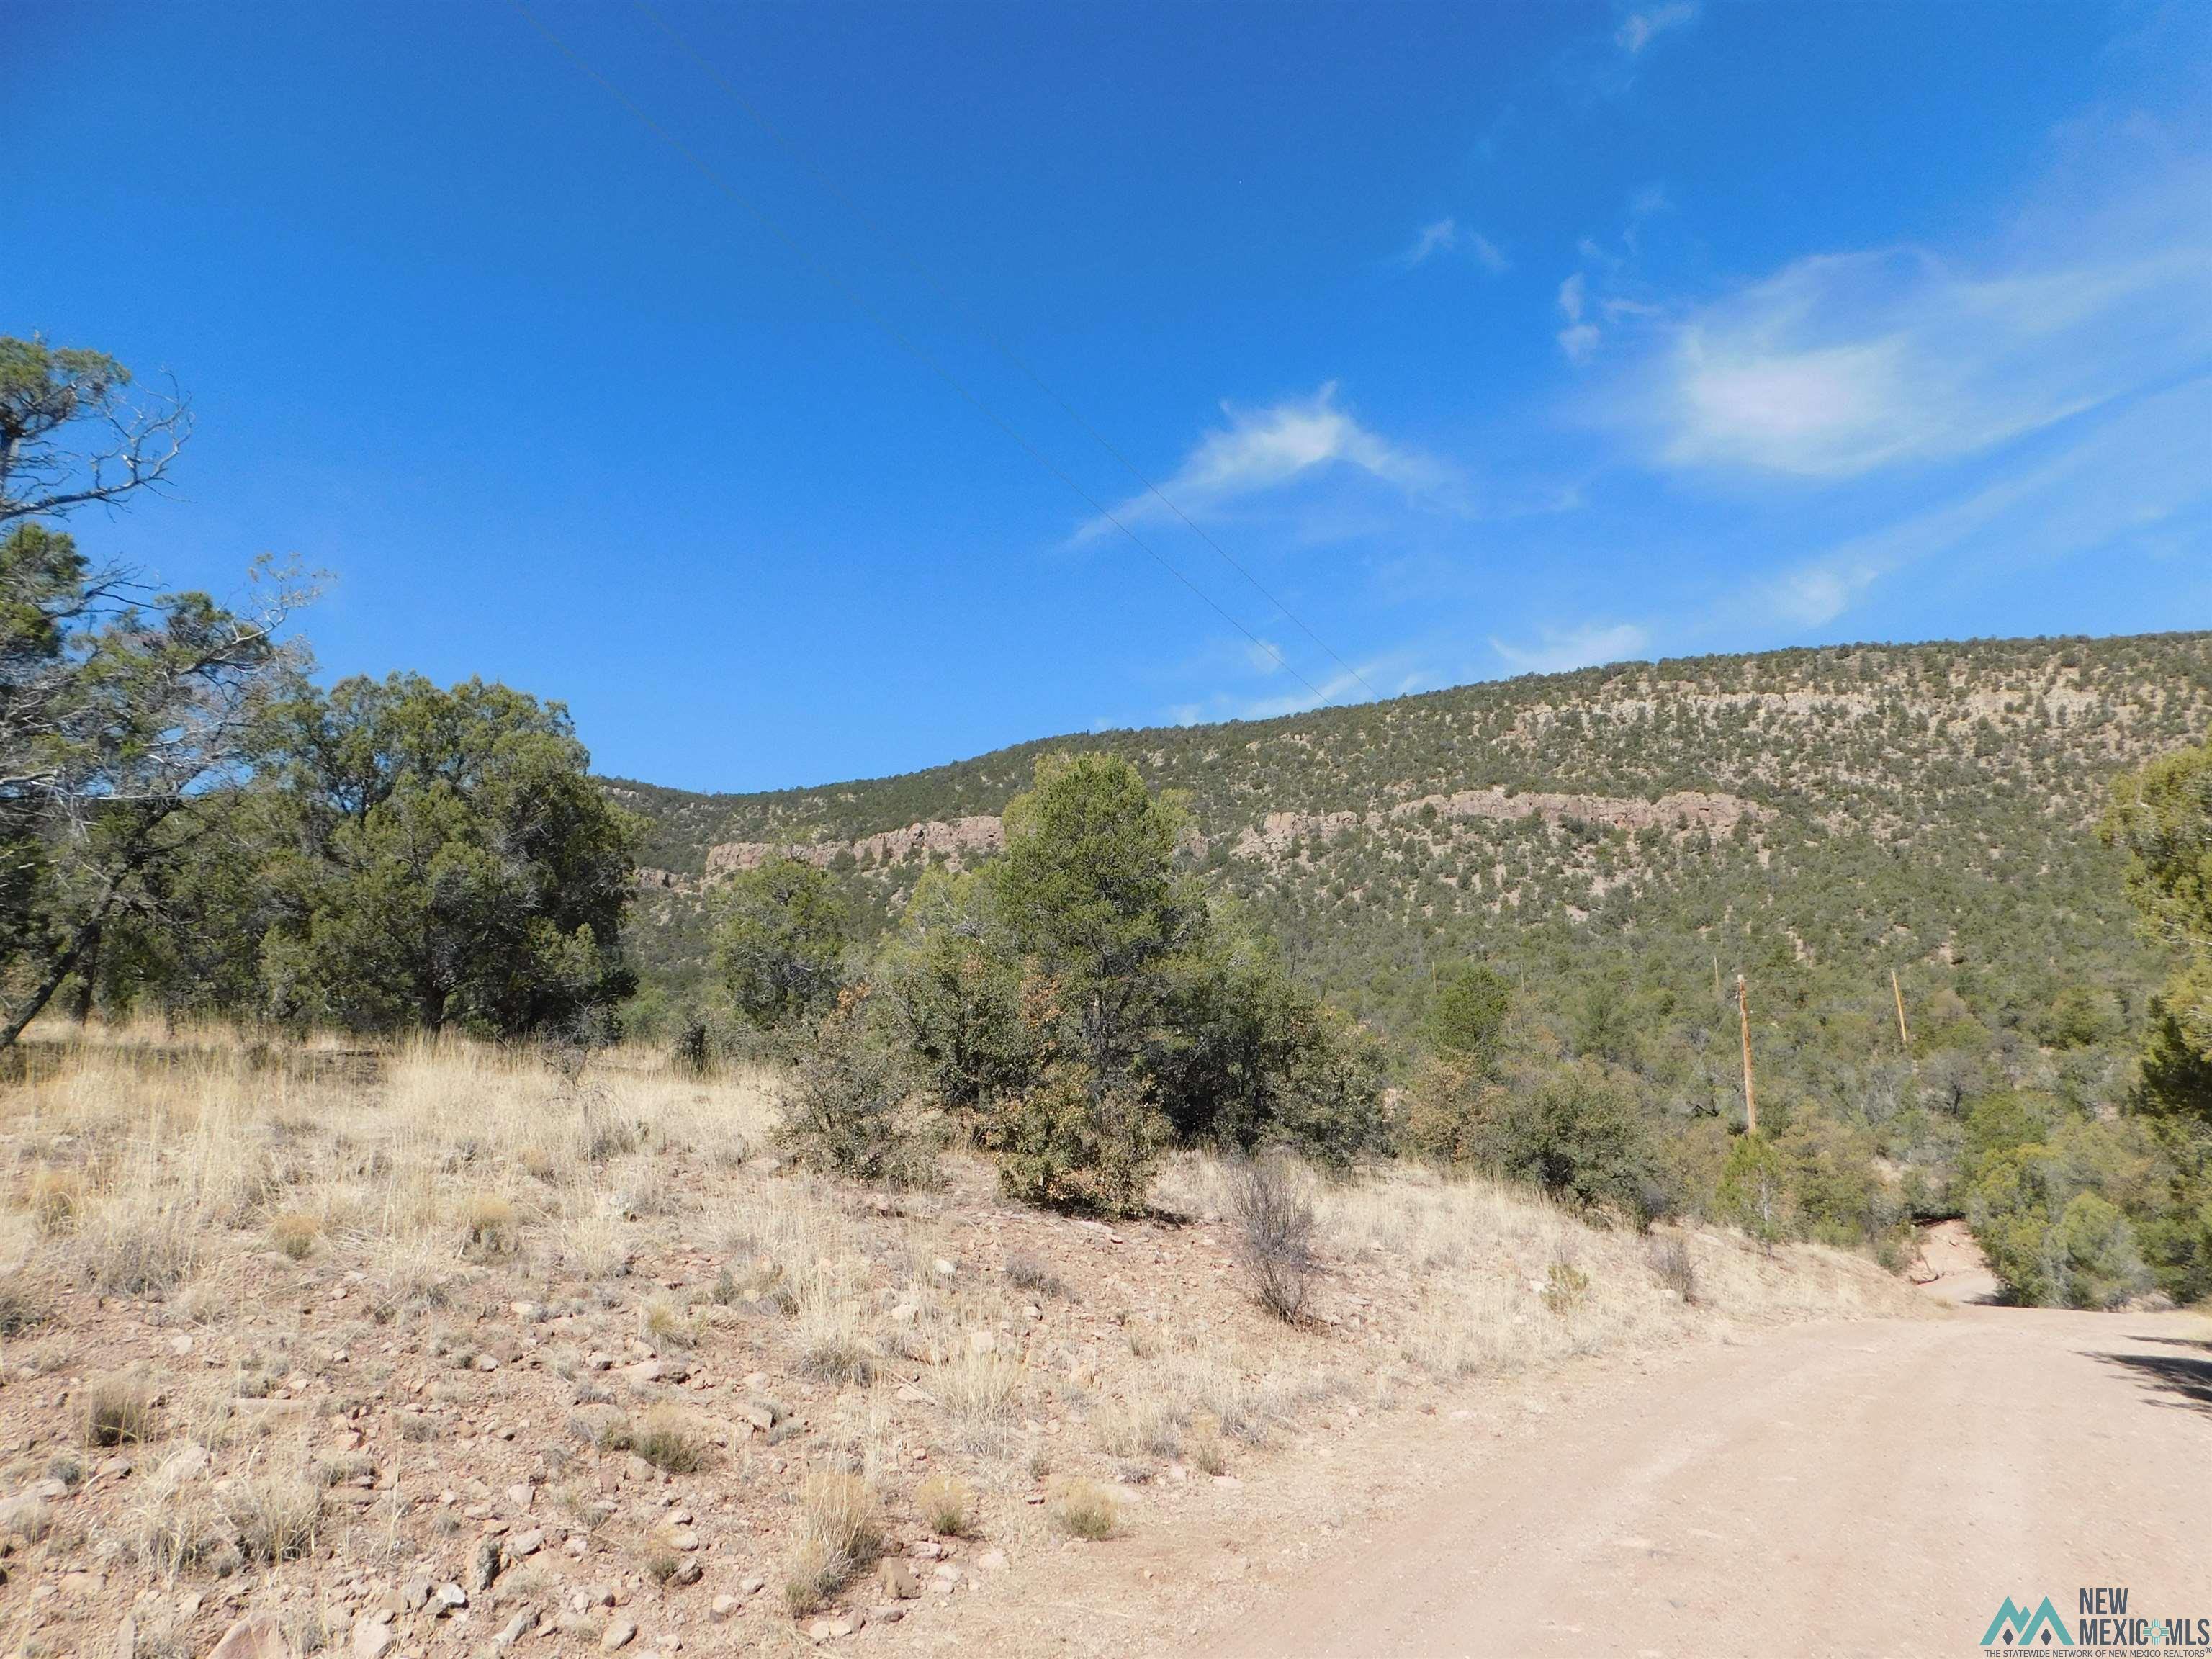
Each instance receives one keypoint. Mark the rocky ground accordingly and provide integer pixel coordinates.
(460, 1353)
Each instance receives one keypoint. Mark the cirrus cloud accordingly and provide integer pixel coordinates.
(1556, 650)
(1843, 364)
(1260, 451)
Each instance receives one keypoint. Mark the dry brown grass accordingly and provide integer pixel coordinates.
(1084, 1509)
(840, 1532)
(118, 1411)
(669, 1438)
(438, 1184)
(295, 1232)
(276, 1513)
(947, 1505)
(54, 1199)
(664, 1324)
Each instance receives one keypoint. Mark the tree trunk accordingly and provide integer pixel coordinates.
(88, 976)
(29, 1009)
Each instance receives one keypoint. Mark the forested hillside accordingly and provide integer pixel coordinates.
(1841, 812)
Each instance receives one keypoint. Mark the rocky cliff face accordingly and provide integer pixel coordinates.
(958, 842)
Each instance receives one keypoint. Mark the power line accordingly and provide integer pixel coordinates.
(898, 250)
(861, 303)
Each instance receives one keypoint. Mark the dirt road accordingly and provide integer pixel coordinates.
(1875, 1488)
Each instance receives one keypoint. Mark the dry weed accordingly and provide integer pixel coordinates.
(947, 1505)
(840, 1532)
(117, 1411)
(295, 1232)
(1084, 1509)
(669, 1439)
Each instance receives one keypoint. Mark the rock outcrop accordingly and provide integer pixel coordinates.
(957, 841)
(962, 841)
(1683, 813)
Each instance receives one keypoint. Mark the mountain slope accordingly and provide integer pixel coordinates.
(1812, 818)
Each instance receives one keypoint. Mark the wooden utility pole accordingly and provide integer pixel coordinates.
(1750, 1100)
(1895, 990)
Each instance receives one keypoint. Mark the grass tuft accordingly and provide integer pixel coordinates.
(1084, 1509)
(276, 1515)
(295, 1233)
(488, 1225)
(947, 1505)
(668, 1439)
(118, 1411)
(840, 1532)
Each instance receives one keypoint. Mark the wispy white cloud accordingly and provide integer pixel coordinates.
(1579, 338)
(1448, 235)
(1842, 364)
(1559, 649)
(1639, 28)
(1382, 678)
(2132, 478)
(1265, 450)
(1245, 684)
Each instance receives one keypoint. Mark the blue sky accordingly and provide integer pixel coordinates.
(1485, 339)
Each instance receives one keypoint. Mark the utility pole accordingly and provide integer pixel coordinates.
(1750, 1100)
(1903, 1041)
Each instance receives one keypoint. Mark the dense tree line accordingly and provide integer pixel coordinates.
(191, 826)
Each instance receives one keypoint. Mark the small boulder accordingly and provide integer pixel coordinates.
(257, 1635)
(484, 1565)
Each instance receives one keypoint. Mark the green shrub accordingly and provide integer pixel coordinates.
(2011, 1199)
(2176, 1240)
(1446, 1104)
(1578, 1132)
(844, 1104)
(953, 976)
(1754, 1188)
(780, 930)
(1246, 1057)
(2081, 1015)
(2090, 1255)
(1467, 1014)
(1069, 1142)
(1836, 1196)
